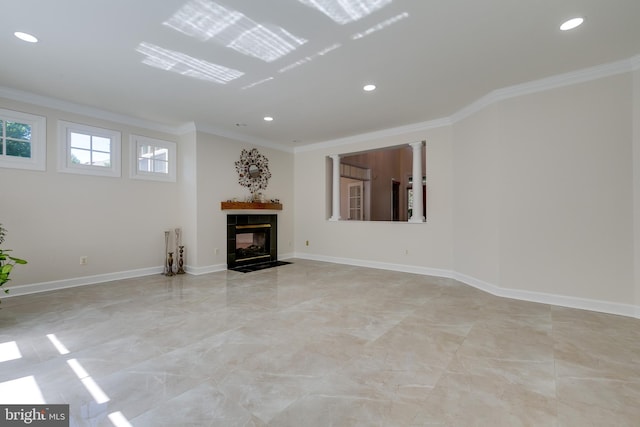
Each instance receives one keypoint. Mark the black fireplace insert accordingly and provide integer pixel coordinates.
(251, 239)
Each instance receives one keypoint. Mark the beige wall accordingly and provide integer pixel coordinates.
(55, 218)
(217, 180)
(476, 236)
(538, 194)
(636, 185)
(429, 244)
(534, 196)
(543, 192)
(566, 215)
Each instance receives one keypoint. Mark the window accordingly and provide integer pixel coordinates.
(88, 150)
(153, 159)
(22, 140)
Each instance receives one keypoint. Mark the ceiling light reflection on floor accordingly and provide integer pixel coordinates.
(186, 65)
(345, 11)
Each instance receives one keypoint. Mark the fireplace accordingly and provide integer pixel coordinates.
(251, 239)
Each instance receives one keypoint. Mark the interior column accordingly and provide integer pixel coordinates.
(335, 206)
(416, 214)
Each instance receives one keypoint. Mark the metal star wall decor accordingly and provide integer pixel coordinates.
(253, 170)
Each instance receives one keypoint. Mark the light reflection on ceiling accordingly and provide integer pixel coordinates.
(186, 65)
(345, 11)
(249, 86)
(263, 43)
(203, 19)
(309, 58)
(206, 20)
(380, 26)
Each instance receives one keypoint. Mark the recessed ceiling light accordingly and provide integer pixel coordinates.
(268, 119)
(26, 37)
(571, 24)
(369, 88)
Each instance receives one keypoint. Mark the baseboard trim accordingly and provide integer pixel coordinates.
(34, 288)
(197, 271)
(425, 271)
(627, 310)
(552, 299)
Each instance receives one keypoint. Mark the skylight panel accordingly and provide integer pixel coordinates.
(345, 11)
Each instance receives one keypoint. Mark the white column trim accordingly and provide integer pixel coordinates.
(335, 190)
(416, 215)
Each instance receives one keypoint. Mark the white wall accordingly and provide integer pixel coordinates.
(476, 236)
(566, 220)
(636, 185)
(533, 196)
(217, 181)
(55, 218)
(543, 192)
(385, 242)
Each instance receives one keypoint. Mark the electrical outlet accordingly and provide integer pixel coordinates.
(84, 260)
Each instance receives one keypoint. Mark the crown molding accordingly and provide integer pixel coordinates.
(186, 128)
(385, 133)
(242, 138)
(553, 82)
(548, 83)
(96, 113)
(541, 85)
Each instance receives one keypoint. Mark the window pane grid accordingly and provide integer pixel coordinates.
(15, 139)
(153, 159)
(90, 150)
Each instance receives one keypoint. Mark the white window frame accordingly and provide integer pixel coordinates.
(38, 159)
(135, 142)
(64, 150)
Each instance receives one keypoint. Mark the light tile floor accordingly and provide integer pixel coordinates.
(316, 344)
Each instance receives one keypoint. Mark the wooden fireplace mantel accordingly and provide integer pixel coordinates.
(250, 205)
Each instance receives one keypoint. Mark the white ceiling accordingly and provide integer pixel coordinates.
(428, 58)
